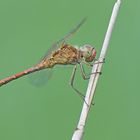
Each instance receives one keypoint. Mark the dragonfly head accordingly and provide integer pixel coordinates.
(88, 52)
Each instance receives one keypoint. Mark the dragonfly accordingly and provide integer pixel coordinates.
(62, 53)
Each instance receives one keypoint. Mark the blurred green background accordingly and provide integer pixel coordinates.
(51, 112)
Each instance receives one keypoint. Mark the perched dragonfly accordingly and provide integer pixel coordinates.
(61, 53)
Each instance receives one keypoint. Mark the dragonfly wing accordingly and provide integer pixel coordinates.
(57, 44)
(40, 78)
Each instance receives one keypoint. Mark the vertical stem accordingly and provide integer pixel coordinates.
(79, 131)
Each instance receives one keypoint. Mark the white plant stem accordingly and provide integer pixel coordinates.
(79, 131)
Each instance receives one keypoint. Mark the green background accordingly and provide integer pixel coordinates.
(51, 112)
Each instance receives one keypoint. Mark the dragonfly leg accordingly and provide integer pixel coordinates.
(88, 64)
(95, 61)
(72, 81)
(76, 90)
(84, 75)
(72, 84)
(98, 62)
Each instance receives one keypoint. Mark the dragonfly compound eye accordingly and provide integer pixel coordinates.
(89, 53)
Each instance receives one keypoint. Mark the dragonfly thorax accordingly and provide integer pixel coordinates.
(88, 52)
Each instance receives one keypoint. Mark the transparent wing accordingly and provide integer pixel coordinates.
(57, 44)
(40, 78)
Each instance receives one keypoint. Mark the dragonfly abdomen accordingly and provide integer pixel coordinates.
(18, 75)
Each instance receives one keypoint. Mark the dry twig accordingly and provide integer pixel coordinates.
(78, 133)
